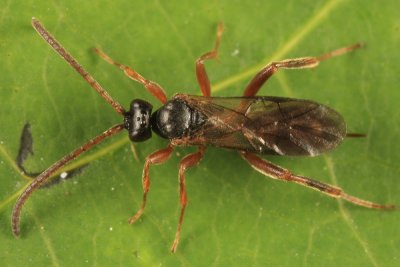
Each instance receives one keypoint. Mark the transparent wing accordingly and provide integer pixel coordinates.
(267, 125)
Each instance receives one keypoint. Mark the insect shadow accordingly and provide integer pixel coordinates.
(26, 149)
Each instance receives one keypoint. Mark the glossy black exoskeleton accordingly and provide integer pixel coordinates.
(173, 120)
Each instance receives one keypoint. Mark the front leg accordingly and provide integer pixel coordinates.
(158, 157)
(155, 89)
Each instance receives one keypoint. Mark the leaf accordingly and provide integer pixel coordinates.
(235, 216)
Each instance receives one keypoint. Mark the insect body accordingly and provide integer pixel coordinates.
(264, 125)
(250, 124)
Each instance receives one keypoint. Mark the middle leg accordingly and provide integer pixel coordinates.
(201, 74)
(187, 162)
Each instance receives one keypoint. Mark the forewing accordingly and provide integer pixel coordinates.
(268, 125)
(295, 127)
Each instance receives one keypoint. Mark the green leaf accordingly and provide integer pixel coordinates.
(235, 216)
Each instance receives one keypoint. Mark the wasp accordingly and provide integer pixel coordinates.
(250, 124)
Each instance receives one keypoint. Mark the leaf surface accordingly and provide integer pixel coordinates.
(235, 216)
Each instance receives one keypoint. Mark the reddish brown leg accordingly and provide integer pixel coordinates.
(296, 63)
(155, 89)
(187, 162)
(44, 176)
(158, 157)
(201, 74)
(276, 172)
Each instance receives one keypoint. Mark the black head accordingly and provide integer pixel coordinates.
(137, 120)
